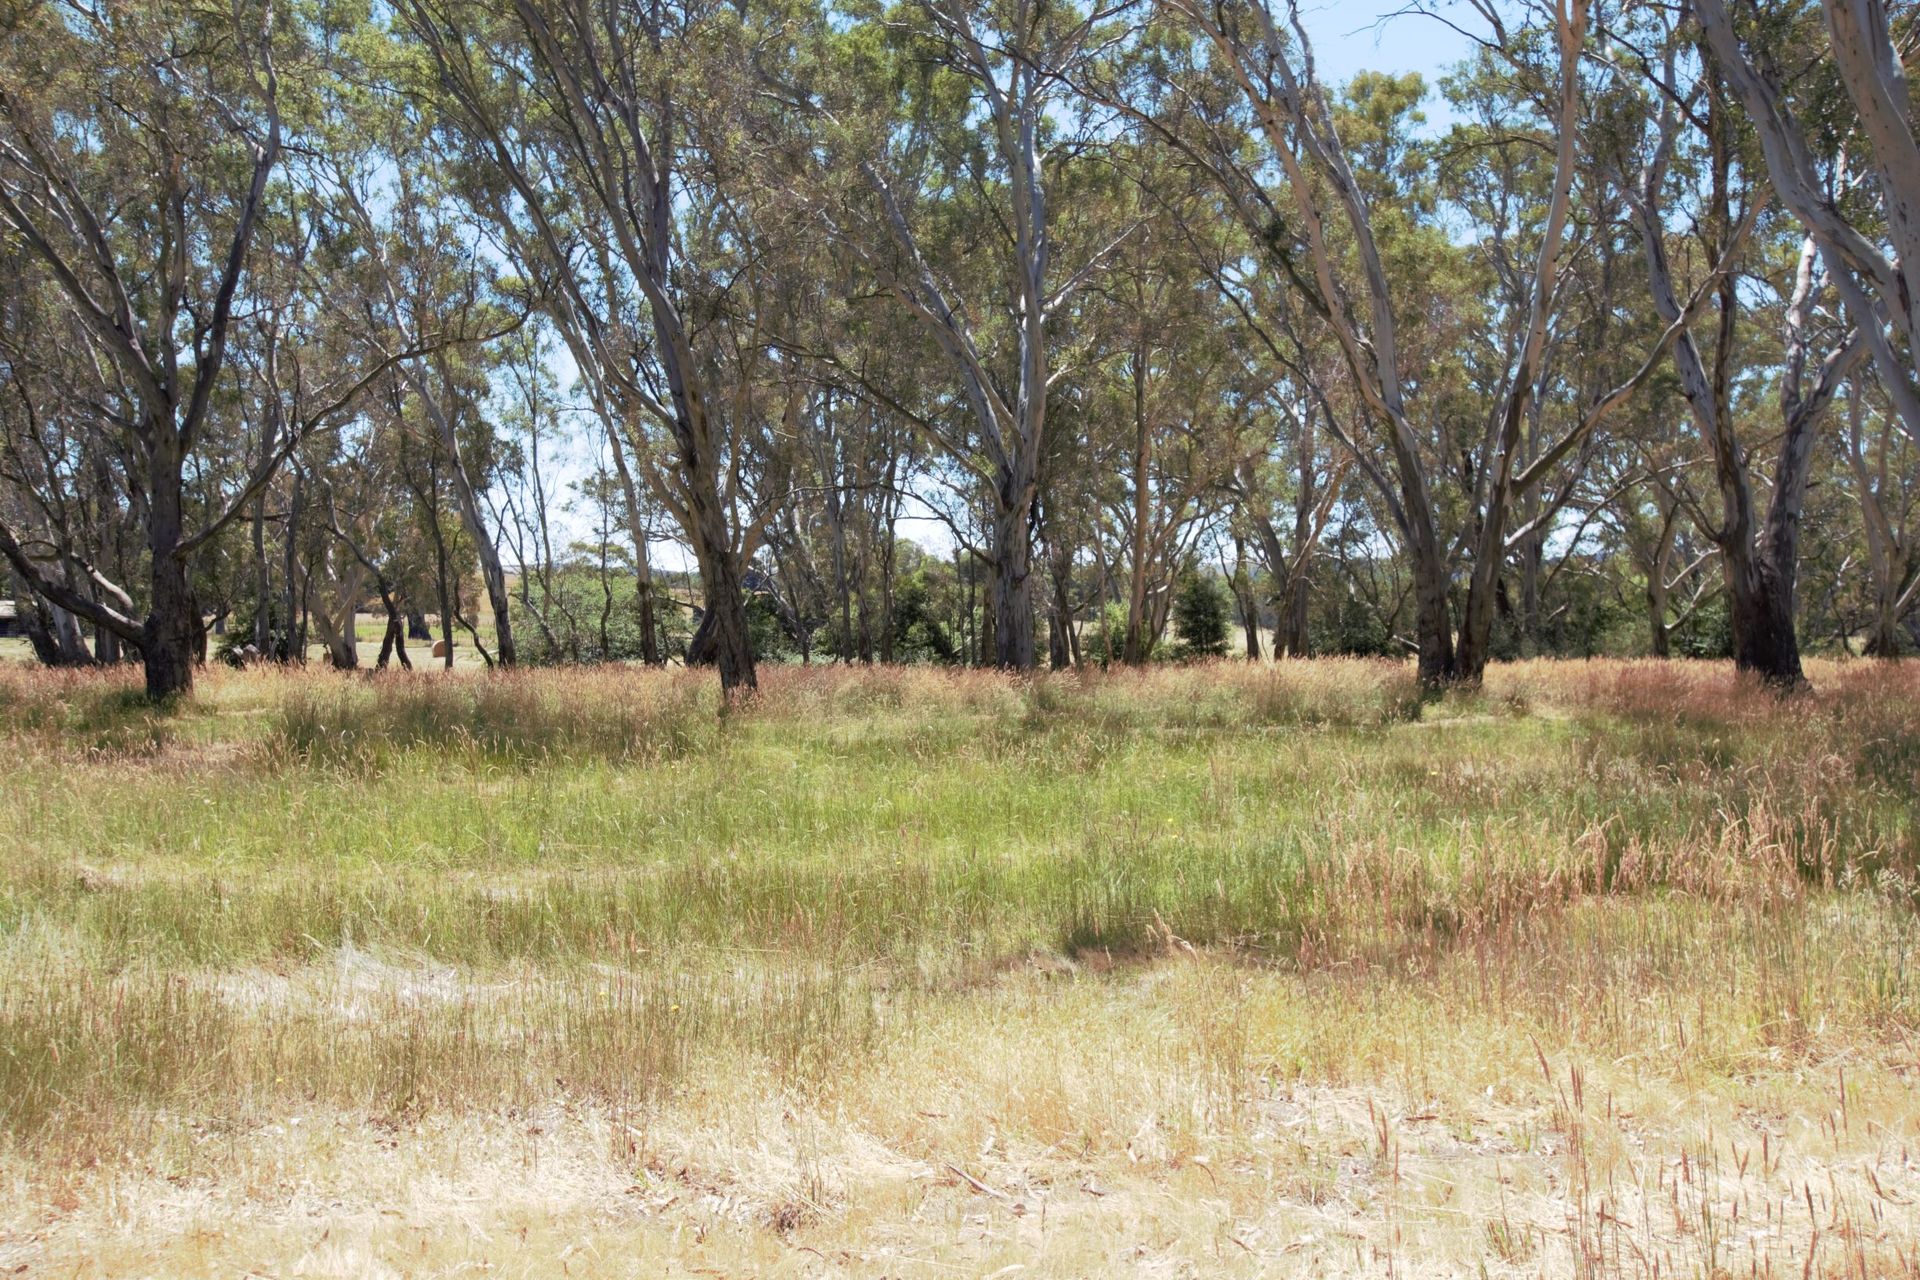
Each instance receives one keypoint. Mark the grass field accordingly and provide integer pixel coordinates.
(1609, 970)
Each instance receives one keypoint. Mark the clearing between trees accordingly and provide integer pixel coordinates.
(1605, 969)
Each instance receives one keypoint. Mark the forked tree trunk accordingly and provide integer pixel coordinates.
(394, 643)
(727, 642)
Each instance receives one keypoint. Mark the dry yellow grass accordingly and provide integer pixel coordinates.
(1607, 971)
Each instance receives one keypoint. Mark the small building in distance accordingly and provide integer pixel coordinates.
(9, 619)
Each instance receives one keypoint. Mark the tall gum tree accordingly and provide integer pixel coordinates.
(137, 180)
(139, 144)
(1695, 125)
(1345, 278)
(966, 192)
(1867, 250)
(590, 128)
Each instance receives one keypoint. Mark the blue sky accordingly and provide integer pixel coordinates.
(1371, 36)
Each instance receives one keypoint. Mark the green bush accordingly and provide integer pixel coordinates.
(1201, 615)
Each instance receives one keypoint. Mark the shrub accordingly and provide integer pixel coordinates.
(1200, 615)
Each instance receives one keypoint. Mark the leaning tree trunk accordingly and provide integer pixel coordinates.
(37, 621)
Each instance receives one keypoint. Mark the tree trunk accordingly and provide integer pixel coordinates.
(262, 603)
(729, 644)
(1883, 638)
(1012, 597)
(891, 508)
(1760, 597)
(1060, 653)
(643, 601)
(1136, 644)
(394, 643)
(1306, 501)
(343, 644)
(168, 636)
(290, 650)
(70, 640)
(1659, 643)
(1532, 556)
(1243, 596)
(36, 619)
(1659, 634)
(484, 546)
(1476, 627)
(441, 586)
(1433, 620)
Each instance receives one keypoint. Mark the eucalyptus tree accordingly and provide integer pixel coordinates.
(1284, 494)
(1689, 152)
(1863, 221)
(1883, 461)
(139, 147)
(137, 142)
(1336, 239)
(601, 142)
(366, 509)
(432, 305)
(61, 496)
(966, 162)
(1180, 395)
(833, 538)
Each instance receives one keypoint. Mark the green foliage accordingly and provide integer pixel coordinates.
(1104, 634)
(1202, 612)
(919, 635)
